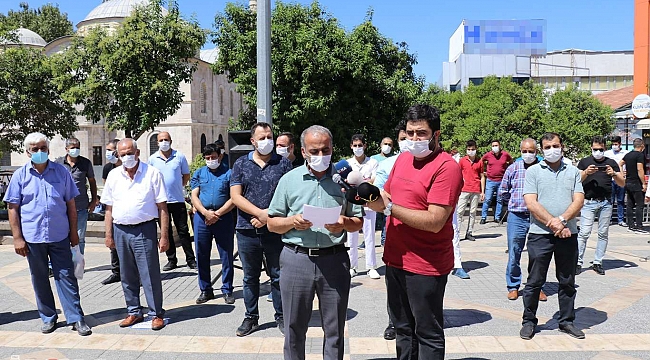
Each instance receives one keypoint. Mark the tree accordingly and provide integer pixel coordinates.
(358, 81)
(47, 21)
(131, 78)
(31, 102)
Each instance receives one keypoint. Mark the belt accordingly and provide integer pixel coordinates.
(140, 224)
(597, 199)
(314, 252)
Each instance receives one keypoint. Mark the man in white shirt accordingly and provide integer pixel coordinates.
(135, 196)
(368, 169)
(618, 192)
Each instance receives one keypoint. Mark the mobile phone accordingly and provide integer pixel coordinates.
(602, 168)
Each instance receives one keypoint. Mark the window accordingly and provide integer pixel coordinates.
(220, 101)
(98, 157)
(203, 99)
(153, 143)
(232, 104)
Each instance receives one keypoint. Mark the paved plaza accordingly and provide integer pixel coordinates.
(480, 322)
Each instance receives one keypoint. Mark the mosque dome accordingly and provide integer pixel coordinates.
(112, 9)
(29, 38)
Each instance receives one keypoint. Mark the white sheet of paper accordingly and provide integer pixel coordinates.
(320, 216)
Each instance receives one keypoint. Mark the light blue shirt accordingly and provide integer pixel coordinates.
(383, 170)
(172, 171)
(42, 199)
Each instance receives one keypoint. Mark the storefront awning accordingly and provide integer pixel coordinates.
(643, 124)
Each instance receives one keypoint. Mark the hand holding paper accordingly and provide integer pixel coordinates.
(319, 216)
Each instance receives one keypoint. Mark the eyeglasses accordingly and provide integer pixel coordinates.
(598, 149)
(357, 145)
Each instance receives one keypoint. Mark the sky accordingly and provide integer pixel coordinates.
(426, 25)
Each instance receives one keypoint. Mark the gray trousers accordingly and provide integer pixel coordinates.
(301, 277)
(137, 248)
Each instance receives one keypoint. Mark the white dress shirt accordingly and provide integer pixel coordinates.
(134, 201)
(367, 168)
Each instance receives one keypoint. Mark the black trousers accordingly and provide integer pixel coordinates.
(540, 250)
(635, 201)
(415, 308)
(115, 262)
(178, 213)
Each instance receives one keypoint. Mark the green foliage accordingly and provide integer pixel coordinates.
(197, 163)
(131, 78)
(350, 82)
(31, 102)
(47, 21)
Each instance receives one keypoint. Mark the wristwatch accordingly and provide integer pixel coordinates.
(562, 220)
(389, 209)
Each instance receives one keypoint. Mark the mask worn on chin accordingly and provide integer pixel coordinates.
(212, 164)
(471, 152)
(386, 149)
(265, 146)
(358, 151)
(403, 146)
(164, 145)
(319, 163)
(529, 158)
(39, 157)
(129, 161)
(74, 152)
(110, 157)
(552, 155)
(419, 149)
(597, 154)
(282, 151)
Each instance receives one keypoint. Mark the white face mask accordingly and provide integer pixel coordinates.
(529, 158)
(129, 161)
(419, 149)
(282, 151)
(164, 145)
(74, 152)
(471, 153)
(212, 164)
(403, 146)
(110, 156)
(616, 148)
(496, 149)
(319, 163)
(597, 154)
(358, 151)
(552, 155)
(386, 149)
(265, 146)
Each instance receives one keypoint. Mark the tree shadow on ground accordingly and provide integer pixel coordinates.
(465, 317)
(9, 317)
(474, 265)
(586, 318)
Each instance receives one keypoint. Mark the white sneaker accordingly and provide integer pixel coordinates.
(373, 274)
(353, 272)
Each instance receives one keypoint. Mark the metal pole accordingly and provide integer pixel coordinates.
(264, 108)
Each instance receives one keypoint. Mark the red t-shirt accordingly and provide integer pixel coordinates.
(414, 185)
(496, 165)
(471, 174)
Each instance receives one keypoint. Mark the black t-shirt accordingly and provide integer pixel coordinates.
(632, 181)
(107, 168)
(598, 185)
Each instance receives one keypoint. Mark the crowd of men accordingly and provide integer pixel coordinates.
(423, 199)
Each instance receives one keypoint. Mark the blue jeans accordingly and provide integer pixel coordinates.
(82, 225)
(518, 225)
(491, 188)
(618, 196)
(252, 247)
(591, 209)
(222, 232)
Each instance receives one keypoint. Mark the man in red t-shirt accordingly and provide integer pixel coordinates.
(419, 198)
(496, 162)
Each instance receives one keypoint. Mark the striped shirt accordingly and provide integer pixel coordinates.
(512, 187)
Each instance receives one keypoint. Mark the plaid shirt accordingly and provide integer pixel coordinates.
(512, 187)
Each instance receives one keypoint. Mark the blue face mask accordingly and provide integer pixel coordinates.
(39, 157)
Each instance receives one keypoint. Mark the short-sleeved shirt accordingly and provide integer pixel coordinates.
(381, 157)
(416, 184)
(367, 168)
(383, 170)
(496, 164)
(300, 187)
(80, 171)
(472, 171)
(134, 201)
(172, 170)
(213, 185)
(598, 186)
(632, 181)
(42, 199)
(258, 184)
(554, 190)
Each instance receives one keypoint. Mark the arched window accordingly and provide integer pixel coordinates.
(232, 104)
(220, 101)
(203, 103)
(204, 141)
(153, 143)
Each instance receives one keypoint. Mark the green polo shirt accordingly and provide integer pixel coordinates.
(299, 187)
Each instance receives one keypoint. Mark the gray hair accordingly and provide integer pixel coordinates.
(315, 129)
(35, 138)
(528, 140)
(123, 141)
(72, 141)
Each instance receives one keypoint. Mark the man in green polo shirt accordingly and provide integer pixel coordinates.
(314, 260)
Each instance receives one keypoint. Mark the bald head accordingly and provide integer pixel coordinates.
(529, 142)
(164, 135)
(127, 146)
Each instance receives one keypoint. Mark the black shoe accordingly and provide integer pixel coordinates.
(598, 268)
(483, 220)
(205, 297)
(248, 326)
(229, 299)
(170, 266)
(81, 328)
(527, 331)
(578, 269)
(280, 323)
(48, 327)
(572, 331)
(112, 278)
(470, 237)
(389, 333)
(191, 265)
(362, 246)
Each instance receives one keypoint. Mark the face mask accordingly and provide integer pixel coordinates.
(282, 151)
(495, 149)
(529, 158)
(616, 148)
(419, 149)
(597, 154)
(129, 161)
(402, 146)
(358, 151)
(212, 164)
(552, 155)
(386, 149)
(265, 146)
(164, 145)
(319, 163)
(74, 152)
(39, 157)
(471, 152)
(110, 156)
